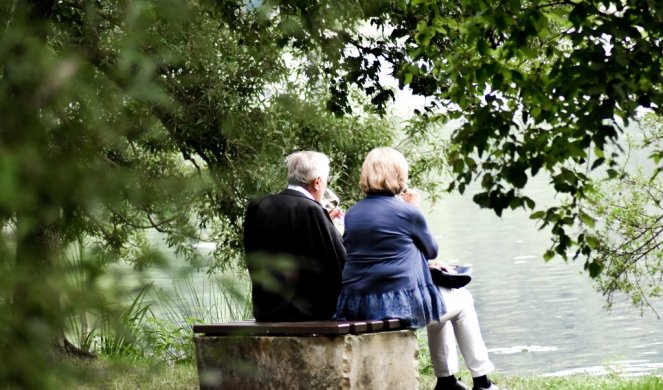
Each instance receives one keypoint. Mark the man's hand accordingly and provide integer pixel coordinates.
(336, 213)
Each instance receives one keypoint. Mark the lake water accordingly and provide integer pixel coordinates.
(540, 318)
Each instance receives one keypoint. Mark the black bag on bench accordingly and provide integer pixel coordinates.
(460, 278)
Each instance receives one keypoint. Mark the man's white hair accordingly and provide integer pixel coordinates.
(306, 166)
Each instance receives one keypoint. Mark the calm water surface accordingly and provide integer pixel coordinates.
(540, 318)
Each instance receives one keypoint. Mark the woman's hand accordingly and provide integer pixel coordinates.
(411, 196)
(441, 265)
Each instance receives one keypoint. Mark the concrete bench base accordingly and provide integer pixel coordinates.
(383, 360)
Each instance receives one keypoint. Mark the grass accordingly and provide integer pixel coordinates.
(105, 373)
(582, 382)
(150, 374)
(574, 382)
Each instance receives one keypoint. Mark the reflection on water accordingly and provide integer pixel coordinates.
(537, 317)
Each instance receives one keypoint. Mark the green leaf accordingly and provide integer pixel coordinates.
(458, 166)
(498, 81)
(587, 220)
(407, 79)
(482, 199)
(516, 175)
(592, 241)
(595, 268)
(612, 173)
(487, 181)
(537, 215)
(597, 163)
(535, 112)
(549, 255)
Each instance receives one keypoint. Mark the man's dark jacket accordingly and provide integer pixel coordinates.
(295, 258)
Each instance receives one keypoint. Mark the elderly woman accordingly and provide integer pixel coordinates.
(386, 273)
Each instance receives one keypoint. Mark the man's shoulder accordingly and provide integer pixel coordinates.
(284, 198)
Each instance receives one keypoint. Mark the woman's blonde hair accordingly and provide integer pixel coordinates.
(384, 171)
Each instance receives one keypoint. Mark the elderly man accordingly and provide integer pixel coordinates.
(294, 254)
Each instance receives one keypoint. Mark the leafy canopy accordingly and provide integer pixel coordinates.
(539, 87)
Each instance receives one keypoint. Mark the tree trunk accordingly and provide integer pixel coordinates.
(65, 347)
(37, 247)
(35, 319)
(36, 296)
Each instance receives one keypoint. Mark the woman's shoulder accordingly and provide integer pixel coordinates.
(372, 203)
(384, 205)
(392, 201)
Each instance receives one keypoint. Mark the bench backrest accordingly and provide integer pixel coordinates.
(306, 328)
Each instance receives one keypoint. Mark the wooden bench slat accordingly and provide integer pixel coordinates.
(376, 325)
(394, 323)
(359, 327)
(306, 328)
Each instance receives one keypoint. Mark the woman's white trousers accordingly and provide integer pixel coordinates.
(459, 326)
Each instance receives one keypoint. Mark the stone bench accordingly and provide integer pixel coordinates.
(307, 355)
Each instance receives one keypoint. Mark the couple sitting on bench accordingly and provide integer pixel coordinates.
(302, 270)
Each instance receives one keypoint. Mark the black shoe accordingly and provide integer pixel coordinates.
(492, 386)
(458, 385)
